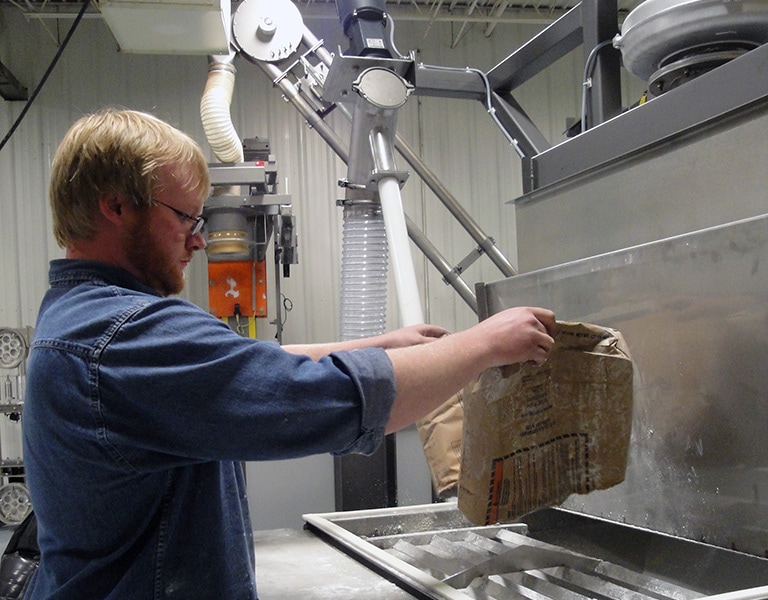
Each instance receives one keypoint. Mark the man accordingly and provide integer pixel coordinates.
(140, 406)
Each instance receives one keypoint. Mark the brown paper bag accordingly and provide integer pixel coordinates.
(535, 435)
(440, 433)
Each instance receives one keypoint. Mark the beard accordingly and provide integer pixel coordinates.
(152, 261)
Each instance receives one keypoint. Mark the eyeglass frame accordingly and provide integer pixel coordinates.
(197, 222)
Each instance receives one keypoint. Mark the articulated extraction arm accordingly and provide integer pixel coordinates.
(368, 83)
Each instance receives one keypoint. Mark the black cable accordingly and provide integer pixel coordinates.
(488, 100)
(45, 76)
(586, 84)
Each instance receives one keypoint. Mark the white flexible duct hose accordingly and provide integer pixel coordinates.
(215, 113)
(364, 262)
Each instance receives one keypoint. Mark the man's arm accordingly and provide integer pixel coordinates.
(427, 375)
(406, 336)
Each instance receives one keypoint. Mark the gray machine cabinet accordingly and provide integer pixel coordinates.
(692, 158)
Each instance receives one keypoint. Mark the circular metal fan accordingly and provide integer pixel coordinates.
(13, 348)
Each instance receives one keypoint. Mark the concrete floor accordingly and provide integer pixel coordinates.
(295, 563)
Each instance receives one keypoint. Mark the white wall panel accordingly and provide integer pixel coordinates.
(457, 139)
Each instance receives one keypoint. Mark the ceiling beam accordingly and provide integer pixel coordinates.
(439, 13)
(442, 13)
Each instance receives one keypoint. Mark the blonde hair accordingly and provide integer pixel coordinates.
(117, 152)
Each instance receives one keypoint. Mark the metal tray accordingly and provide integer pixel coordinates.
(433, 550)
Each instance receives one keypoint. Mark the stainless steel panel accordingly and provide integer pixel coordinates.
(694, 313)
(711, 175)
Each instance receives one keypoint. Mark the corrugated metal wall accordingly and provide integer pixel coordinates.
(457, 139)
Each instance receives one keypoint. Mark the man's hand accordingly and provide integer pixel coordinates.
(518, 335)
(427, 375)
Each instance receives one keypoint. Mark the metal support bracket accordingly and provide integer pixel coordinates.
(372, 185)
(344, 71)
(465, 263)
(729, 89)
(10, 88)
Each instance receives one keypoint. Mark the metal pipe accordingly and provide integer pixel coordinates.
(450, 275)
(442, 193)
(293, 95)
(407, 290)
(391, 208)
(452, 204)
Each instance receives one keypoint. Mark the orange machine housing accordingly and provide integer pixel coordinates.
(237, 288)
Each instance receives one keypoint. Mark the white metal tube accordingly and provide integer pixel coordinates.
(400, 252)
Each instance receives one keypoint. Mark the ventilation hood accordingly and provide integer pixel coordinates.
(187, 27)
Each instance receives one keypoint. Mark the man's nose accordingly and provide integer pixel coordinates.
(197, 242)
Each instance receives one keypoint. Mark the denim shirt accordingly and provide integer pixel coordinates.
(139, 411)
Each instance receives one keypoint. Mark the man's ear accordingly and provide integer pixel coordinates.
(112, 207)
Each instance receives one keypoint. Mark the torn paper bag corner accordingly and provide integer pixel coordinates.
(535, 435)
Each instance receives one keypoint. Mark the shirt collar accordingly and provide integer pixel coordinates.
(68, 271)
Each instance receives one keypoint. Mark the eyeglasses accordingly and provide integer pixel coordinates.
(197, 222)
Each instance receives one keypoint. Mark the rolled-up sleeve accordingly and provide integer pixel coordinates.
(191, 389)
(372, 372)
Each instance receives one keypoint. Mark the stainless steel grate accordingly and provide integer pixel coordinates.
(435, 551)
(498, 563)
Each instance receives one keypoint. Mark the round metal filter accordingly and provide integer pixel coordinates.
(15, 503)
(13, 348)
(267, 30)
(658, 30)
